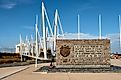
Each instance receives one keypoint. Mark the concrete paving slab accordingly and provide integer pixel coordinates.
(7, 71)
(29, 75)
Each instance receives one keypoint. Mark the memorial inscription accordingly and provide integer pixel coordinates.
(88, 49)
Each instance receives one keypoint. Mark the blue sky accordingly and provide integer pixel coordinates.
(18, 16)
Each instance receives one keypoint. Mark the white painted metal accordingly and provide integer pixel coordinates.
(45, 13)
(27, 45)
(78, 26)
(35, 57)
(55, 30)
(26, 38)
(49, 37)
(60, 25)
(32, 46)
(44, 31)
(47, 32)
(36, 40)
(40, 40)
(100, 29)
(120, 31)
(21, 47)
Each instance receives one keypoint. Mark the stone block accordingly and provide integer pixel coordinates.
(82, 53)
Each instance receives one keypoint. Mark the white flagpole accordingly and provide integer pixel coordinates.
(36, 40)
(100, 29)
(78, 26)
(120, 32)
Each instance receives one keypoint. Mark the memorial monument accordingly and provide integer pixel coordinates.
(85, 53)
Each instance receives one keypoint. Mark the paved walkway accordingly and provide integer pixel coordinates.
(116, 62)
(28, 74)
(7, 71)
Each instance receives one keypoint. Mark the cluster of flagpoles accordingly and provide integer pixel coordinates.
(100, 26)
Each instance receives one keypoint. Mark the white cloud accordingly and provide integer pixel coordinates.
(86, 7)
(115, 42)
(114, 39)
(29, 27)
(24, 1)
(8, 5)
(82, 36)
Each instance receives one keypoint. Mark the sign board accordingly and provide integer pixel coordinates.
(83, 53)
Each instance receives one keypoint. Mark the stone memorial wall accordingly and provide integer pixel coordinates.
(83, 53)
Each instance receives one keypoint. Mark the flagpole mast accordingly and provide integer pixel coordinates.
(36, 25)
(119, 32)
(100, 29)
(78, 26)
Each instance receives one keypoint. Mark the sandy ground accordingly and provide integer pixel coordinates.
(28, 74)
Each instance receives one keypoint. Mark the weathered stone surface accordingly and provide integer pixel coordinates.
(83, 53)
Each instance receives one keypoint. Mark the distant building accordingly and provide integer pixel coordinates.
(18, 48)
